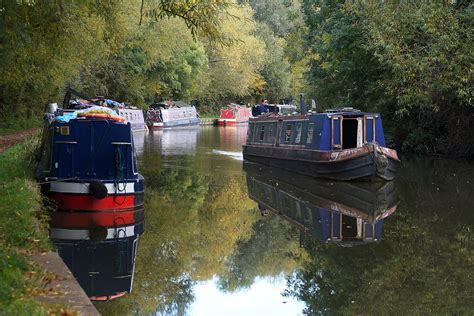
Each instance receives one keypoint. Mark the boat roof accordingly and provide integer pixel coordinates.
(347, 112)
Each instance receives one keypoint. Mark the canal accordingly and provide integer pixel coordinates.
(221, 240)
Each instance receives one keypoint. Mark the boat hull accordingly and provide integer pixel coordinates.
(230, 122)
(371, 162)
(176, 123)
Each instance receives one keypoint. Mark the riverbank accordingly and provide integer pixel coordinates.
(24, 236)
(208, 121)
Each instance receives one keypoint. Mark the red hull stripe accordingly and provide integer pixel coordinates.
(88, 202)
(93, 219)
(83, 188)
(107, 297)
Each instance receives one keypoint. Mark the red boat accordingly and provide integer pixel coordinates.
(234, 114)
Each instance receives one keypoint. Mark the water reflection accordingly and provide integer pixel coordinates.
(233, 136)
(139, 141)
(345, 213)
(104, 269)
(176, 141)
(204, 232)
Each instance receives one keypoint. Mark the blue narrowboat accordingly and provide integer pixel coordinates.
(345, 213)
(340, 144)
(88, 170)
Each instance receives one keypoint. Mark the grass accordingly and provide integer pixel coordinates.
(23, 230)
(11, 125)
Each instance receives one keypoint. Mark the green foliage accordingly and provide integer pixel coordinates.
(411, 61)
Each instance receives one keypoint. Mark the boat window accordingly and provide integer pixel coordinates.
(270, 136)
(309, 139)
(250, 132)
(288, 133)
(299, 127)
(262, 133)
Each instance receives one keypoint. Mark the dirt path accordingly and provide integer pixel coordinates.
(9, 140)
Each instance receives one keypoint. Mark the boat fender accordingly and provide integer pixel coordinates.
(98, 233)
(381, 163)
(45, 187)
(98, 190)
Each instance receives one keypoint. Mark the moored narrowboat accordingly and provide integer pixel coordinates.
(345, 213)
(266, 108)
(88, 170)
(234, 114)
(131, 114)
(171, 114)
(341, 144)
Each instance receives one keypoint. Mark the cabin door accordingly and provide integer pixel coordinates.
(336, 132)
(369, 129)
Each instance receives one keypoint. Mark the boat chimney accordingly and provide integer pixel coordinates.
(52, 107)
(302, 105)
(313, 105)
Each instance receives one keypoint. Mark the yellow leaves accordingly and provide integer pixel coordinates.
(234, 68)
(326, 38)
(258, 85)
(326, 65)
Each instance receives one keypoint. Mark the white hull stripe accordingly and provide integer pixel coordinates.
(227, 120)
(83, 234)
(83, 188)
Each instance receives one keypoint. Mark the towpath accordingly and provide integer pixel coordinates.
(9, 140)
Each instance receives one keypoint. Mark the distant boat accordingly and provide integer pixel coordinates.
(340, 144)
(135, 117)
(345, 213)
(266, 108)
(234, 114)
(171, 114)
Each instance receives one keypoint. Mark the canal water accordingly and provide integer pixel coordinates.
(227, 238)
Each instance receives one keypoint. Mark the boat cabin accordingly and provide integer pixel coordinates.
(333, 130)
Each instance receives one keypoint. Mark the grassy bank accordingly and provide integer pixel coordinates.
(10, 125)
(23, 230)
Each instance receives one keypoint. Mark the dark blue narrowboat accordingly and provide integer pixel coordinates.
(341, 144)
(345, 213)
(88, 170)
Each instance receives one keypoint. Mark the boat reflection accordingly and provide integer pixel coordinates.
(104, 269)
(177, 141)
(139, 142)
(233, 135)
(344, 213)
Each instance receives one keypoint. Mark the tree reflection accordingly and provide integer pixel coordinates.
(193, 223)
(423, 265)
(272, 250)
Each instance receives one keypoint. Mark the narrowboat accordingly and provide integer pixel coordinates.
(171, 114)
(345, 213)
(135, 117)
(266, 108)
(131, 114)
(340, 144)
(234, 114)
(88, 169)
